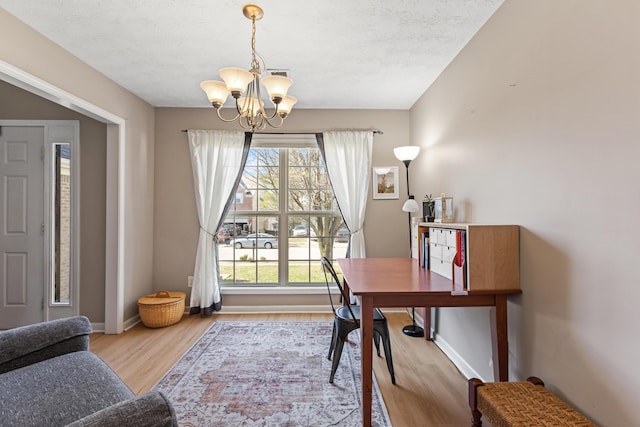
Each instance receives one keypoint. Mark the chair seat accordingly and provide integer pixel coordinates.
(344, 314)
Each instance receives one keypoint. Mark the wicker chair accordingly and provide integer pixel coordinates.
(347, 319)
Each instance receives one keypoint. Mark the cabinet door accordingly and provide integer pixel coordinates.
(441, 267)
(450, 237)
(440, 236)
(435, 250)
(448, 253)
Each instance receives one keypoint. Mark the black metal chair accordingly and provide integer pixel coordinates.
(347, 319)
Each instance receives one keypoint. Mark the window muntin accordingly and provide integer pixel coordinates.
(298, 173)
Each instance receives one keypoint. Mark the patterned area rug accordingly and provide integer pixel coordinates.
(269, 374)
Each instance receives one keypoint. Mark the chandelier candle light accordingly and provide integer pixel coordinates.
(244, 87)
(406, 154)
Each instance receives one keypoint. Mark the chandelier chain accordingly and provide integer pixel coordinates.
(254, 61)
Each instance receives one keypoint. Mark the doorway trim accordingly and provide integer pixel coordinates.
(115, 212)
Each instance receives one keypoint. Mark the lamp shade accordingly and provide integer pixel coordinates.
(277, 86)
(249, 107)
(410, 205)
(236, 79)
(408, 152)
(286, 105)
(216, 91)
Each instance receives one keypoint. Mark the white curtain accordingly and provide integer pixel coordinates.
(217, 159)
(348, 158)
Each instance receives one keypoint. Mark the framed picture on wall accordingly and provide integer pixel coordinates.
(385, 182)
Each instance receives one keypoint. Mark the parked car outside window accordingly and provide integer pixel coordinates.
(302, 231)
(342, 235)
(256, 240)
(226, 232)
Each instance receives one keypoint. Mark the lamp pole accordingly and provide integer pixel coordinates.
(406, 154)
(409, 197)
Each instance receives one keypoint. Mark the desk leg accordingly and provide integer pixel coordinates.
(501, 344)
(427, 323)
(366, 338)
(347, 291)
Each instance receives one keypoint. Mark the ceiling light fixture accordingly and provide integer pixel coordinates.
(244, 86)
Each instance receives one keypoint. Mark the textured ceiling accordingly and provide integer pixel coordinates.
(380, 54)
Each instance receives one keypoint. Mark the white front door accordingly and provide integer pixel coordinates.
(22, 276)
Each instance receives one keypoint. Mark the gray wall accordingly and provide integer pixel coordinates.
(537, 123)
(175, 218)
(29, 52)
(16, 104)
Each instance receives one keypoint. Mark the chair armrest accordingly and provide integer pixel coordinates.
(30, 344)
(151, 409)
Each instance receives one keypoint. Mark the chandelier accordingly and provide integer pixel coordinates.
(244, 86)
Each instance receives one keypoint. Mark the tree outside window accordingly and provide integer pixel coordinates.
(264, 252)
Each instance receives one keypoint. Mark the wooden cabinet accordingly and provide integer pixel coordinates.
(492, 253)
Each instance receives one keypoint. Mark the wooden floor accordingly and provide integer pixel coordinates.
(429, 390)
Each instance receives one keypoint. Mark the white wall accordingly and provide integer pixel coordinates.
(537, 123)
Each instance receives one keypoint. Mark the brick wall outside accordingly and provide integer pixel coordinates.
(64, 236)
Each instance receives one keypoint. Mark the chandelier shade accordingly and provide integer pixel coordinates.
(245, 87)
(236, 79)
(286, 105)
(277, 87)
(216, 92)
(250, 106)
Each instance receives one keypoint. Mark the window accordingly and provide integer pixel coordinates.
(61, 184)
(285, 217)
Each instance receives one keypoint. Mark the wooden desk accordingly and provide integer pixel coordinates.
(400, 282)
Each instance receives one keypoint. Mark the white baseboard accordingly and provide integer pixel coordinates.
(457, 360)
(131, 322)
(460, 363)
(276, 309)
(128, 324)
(271, 309)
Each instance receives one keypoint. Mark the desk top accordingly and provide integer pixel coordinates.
(399, 276)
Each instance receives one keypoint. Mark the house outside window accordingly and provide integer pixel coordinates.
(284, 220)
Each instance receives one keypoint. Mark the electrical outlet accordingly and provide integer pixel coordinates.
(189, 281)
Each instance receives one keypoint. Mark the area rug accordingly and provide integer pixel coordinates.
(269, 374)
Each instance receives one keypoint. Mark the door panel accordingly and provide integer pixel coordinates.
(21, 219)
(16, 208)
(16, 274)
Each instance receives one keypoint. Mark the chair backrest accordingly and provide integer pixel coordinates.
(328, 269)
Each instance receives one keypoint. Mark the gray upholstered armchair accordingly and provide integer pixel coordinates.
(48, 377)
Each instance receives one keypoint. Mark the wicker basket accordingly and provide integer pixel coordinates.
(161, 309)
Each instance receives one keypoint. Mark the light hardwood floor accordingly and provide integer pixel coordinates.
(429, 390)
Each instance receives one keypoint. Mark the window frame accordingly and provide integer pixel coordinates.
(285, 141)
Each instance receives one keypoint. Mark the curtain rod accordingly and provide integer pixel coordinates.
(292, 133)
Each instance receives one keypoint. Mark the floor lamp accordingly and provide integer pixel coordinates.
(406, 154)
